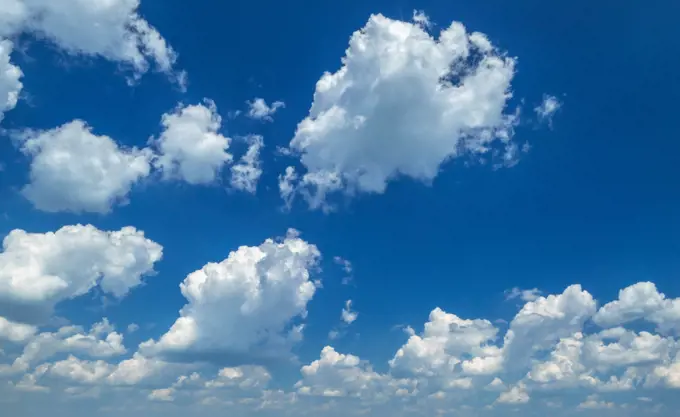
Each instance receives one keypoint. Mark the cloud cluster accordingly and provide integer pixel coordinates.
(40, 270)
(402, 104)
(73, 169)
(112, 29)
(245, 305)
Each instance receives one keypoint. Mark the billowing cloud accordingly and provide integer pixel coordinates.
(455, 363)
(641, 301)
(15, 332)
(112, 29)
(39, 270)
(190, 148)
(102, 341)
(245, 305)
(10, 78)
(73, 169)
(402, 104)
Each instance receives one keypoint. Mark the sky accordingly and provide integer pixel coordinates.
(378, 208)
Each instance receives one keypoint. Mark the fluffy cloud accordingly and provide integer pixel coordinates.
(10, 76)
(112, 29)
(74, 170)
(246, 172)
(38, 270)
(402, 104)
(260, 110)
(245, 304)
(446, 342)
(455, 364)
(338, 375)
(15, 332)
(101, 341)
(191, 148)
(641, 301)
(541, 323)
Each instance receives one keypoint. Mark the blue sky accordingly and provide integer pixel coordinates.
(473, 212)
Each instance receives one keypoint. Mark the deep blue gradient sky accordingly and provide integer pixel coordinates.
(594, 202)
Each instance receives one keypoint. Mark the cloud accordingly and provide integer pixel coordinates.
(190, 148)
(39, 270)
(102, 341)
(403, 104)
(524, 295)
(260, 110)
(516, 395)
(132, 327)
(448, 348)
(547, 109)
(247, 171)
(338, 375)
(74, 170)
(641, 301)
(349, 316)
(15, 332)
(245, 305)
(10, 79)
(112, 29)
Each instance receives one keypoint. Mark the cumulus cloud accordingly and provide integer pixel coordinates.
(247, 171)
(101, 341)
(112, 29)
(72, 169)
(641, 301)
(402, 104)
(454, 363)
(15, 332)
(39, 270)
(190, 148)
(259, 109)
(338, 375)
(245, 305)
(10, 78)
(449, 347)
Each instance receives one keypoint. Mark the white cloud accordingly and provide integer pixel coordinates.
(247, 304)
(524, 295)
(403, 104)
(247, 171)
(349, 316)
(15, 332)
(641, 301)
(338, 375)
(260, 110)
(10, 78)
(190, 147)
(516, 395)
(593, 402)
(548, 107)
(132, 327)
(112, 29)
(74, 170)
(422, 19)
(101, 341)
(448, 347)
(39, 270)
(541, 323)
